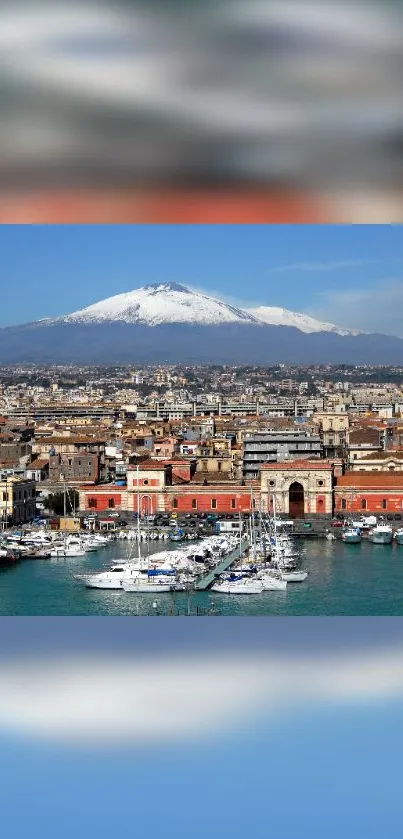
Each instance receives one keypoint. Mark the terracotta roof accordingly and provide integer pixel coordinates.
(356, 480)
(298, 464)
(364, 436)
(39, 463)
(72, 439)
(388, 455)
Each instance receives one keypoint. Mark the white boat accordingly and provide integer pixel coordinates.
(351, 535)
(62, 552)
(399, 536)
(143, 584)
(243, 586)
(271, 582)
(382, 534)
(113, 577)
(294, 576)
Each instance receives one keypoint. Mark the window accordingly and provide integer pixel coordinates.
(219, 465)
(194, 503)
(320, 483)
(364, 504)
(213, 503)
(272, 483)
(175, 503)
(70, 461)
(384, 504)
(145, 482)
(111, 502)
(343, 504)
(204, 465)
(92, 502)
(233, 504)
(354, 457)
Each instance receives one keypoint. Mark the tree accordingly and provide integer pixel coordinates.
(55, 502)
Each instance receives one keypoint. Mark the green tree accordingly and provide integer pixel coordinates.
(55, 502)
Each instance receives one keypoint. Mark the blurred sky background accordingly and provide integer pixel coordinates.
(348, 275)
(158, 110)
(323, 761)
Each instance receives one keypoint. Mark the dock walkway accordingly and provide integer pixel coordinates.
(208, 579)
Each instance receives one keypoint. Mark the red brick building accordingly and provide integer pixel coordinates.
(169, 486)
(375, 492)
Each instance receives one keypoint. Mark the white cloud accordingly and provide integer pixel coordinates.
(104, 700)
(324, 266)
(375, 309)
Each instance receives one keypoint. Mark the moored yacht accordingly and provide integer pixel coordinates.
(382, 534)
(399, 536)
(351, 535)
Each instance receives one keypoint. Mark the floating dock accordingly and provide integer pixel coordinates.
(208, 579)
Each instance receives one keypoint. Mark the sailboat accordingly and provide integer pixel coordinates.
(146, 580)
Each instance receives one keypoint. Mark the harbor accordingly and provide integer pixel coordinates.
(343, 579)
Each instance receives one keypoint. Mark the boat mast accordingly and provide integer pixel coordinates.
(138, 511)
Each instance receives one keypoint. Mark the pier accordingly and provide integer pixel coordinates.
(205, 582)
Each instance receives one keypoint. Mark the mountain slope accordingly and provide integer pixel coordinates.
(160, 303)
(276, 316)
(170, 323)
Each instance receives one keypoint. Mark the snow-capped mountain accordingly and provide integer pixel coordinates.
(276, 316)
(160, 303)
(166, 322)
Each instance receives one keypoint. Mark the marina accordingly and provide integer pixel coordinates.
(342, 579)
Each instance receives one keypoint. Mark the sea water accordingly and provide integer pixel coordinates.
(343, 579)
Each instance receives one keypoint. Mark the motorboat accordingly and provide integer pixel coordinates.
(382, 534)
(352, 535)
(113, 577)
(64, 551)
(399, 536)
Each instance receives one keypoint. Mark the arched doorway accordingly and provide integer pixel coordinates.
(296, 500)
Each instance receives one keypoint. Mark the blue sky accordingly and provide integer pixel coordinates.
(322, 768)
(351, 275)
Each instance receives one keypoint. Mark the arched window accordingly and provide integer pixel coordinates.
(194, 503)
(364, 504)
(384, 504)
(233, 503)
(343, 504)
(175, 503)
(213, 503)
(92, 502)
(111, 503)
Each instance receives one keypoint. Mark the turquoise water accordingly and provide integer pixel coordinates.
(343, 579)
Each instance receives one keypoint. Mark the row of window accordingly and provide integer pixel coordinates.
(93, 503)
(213, 503)
(364, 504)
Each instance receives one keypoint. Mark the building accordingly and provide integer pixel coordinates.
(372, 492)
(275, 446)
(385, 461)
(299, 488)
(74, 468)
(17, 500)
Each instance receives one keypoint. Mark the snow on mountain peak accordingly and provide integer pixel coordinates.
(170, 302)
(160, 303)
(277, 316)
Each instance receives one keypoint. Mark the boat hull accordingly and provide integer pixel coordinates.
(381, 538)
(351, 540)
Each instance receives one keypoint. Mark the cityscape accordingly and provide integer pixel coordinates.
(147, 454)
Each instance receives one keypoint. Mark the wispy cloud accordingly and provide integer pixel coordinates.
(76, 699)
(325, 266)
(375, 309)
